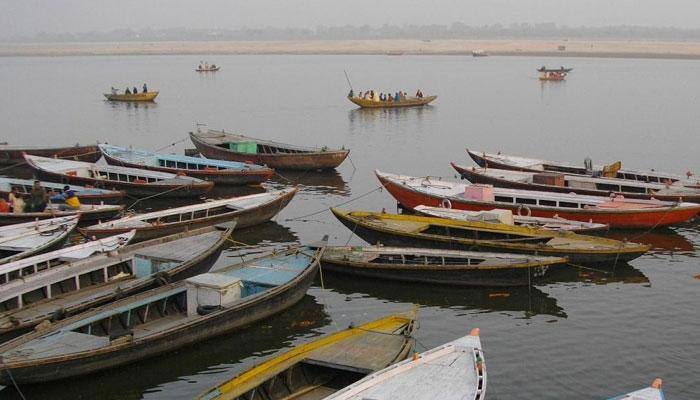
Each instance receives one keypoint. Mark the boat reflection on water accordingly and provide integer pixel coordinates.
(132, 105)
(665, 239)
(256, 241)
(315, 182)
(530, 301)
(359, 117)
(203, 364)
(620, 273)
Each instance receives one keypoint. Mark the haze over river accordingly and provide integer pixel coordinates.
(584, 335)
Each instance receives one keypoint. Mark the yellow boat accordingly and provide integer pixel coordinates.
(416, 231)
(324, 366)
(408, 102)
(148, 96)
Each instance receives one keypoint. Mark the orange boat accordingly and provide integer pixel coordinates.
(407, 102)
(617, 212)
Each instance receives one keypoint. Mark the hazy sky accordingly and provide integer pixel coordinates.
(28, 17)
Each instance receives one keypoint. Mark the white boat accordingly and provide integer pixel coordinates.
(653, 392)
(507, 217)
(23, 240)
(453, 371)
(44, 262)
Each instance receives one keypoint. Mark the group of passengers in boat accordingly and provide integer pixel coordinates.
(129, 91)
(205, 66)
(381, 96)
(38, 199)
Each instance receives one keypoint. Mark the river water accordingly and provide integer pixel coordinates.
(583, 335)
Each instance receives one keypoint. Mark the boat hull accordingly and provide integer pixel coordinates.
(244, 218)
(219, 177)
(617, 219)
(11, 156)
(197, 265)
(389, 238)
(148, 96)
(497, 277)
(292, 161)
(131, 188)
(476, 177)
(85, 216)
(411, 102)
(248, 312)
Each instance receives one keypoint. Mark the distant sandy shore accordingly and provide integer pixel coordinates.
(623, 49)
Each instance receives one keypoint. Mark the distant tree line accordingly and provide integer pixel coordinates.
(456, 30)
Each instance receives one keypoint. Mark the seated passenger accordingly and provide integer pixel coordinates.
(68, 200)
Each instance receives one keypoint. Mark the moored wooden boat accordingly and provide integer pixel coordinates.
(412, 230)
(443, 267)
(53, 259)
(217, 171)
(615, 170)
(14, 154)
(653, 392)
(247, 210)
(618, 213)
(453, 371)
(507, 217)
(68, 289)
(407, 102)
(585, 185)
(30, 238)
(163, 319)
(86, 212)
(87, 195)
(319, 368)
(220, 145)
(133, 181)
(148, 96)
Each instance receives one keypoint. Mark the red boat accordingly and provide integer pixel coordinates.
(10, 155)
(617, 212)
(580, 184)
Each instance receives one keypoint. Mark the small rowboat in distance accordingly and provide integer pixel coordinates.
(219, 145)
(134, 181)
(87, 195)
(442, 267)
(507, 217)
(653, 392)
(148, 96)
(319, 368)
(163, 319)
(247, 210)
(561, 69)
(13, 154)
(428, 232)
(213, 68)
(53, 259)
(217, 171)
(86, 212)
(71, 288)
(36, 237)
(615, 170)
(453, 371)
(584, 185)
(407, 102)
(619, 213)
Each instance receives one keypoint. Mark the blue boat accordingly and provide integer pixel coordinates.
(217, 171)
(164, 319)
(86, 195)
